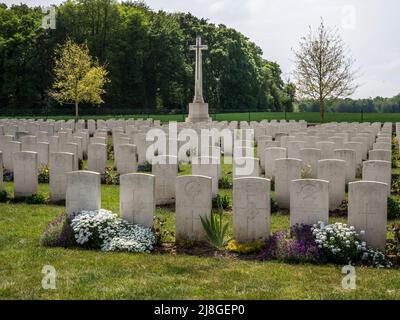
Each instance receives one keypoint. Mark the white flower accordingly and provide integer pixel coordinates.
(114, 233)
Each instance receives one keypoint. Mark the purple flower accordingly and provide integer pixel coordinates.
(298, 246)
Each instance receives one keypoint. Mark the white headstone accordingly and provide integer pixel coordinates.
(71, 148)
(205, 166)
(286, 170)
(60, 164)
(25, 174)
(83, 192)
(97, 157)
(193, 200)
(28, 143)
(246, 167)
(137, 199)
(382, 146)
(368, 211)
(42, 149)
(293, 148)
(377, 170)
(98, 140)
(251, 209)
(333, 171)
(53, 144)
(310, 158)
(349, 156)
(271, 154)
(165, 172)
(379, 154)
(9, 149)
(358, 148)
(4, 140)
(309, 201)
(126, 158)
(326, 148)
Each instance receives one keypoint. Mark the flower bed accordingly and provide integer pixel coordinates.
(99, 229)
(104, 230)
(336, 243)
(342, 244)
(296, 246)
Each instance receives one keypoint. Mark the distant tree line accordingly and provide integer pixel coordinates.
(378, 104)
(149, 65)
(146, 54)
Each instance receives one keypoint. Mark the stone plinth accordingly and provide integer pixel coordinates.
(198, 112)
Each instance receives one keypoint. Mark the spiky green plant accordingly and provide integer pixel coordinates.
(215, 229)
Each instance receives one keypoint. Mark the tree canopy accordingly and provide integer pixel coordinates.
(150, 66)
(323, 67)
(78, 77)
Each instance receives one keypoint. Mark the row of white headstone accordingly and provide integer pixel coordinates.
(287, 170)
(309, 204)
(283, 170)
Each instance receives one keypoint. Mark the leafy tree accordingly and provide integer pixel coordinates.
(20, 54)
(149, 65)
(78, 77)
(323, 68)
(290, 96)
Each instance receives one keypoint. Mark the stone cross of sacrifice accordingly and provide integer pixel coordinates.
(198, 89)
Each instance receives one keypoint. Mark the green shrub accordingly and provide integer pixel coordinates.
(80, 164)
(44, 174)
(274, 206)
(144, 167)
(58, 233)
(162, 233)
(110, 176)
(36, 199)
(395, 188)
(8, 175)
(222, 200)
(342, 210)
(393, 243)
(273, 183)
(110, 150)
(225, 182)
(306, 172)
(4, 196)
(395, 154)
(393, 208)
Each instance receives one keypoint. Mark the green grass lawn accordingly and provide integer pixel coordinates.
(83, 274)
(312, 117)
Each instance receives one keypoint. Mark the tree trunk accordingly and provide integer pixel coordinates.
(76, 111)
(321, 110)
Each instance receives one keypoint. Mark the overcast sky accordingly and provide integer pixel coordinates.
(371, 29)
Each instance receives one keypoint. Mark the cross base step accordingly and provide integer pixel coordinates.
(198, 112)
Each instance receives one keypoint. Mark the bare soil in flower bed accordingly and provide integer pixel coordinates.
(205, 250)
(200, 250)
